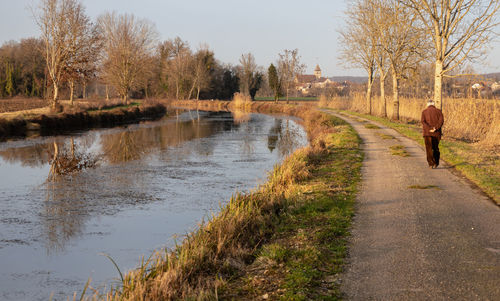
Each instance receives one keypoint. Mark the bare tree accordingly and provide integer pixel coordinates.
(459, 30)
(289, 67)
(401, 40)
(358, 41)
(82, 63)
(202, 65)
(251, 76)
(248, 68)
(59, 21)
(177, 64)
(381, 59)
(128, 46)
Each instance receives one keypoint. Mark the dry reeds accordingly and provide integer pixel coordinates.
(241, 101)
(323, 101)
(474, 120)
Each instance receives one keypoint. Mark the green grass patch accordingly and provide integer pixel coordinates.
(130, 105)
(385, 136)
(372, 126)
(424, 187)
(399, 150)
(478, 164)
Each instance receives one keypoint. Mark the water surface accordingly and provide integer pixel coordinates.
(124, 191)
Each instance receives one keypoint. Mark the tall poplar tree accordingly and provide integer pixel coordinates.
(274, 81)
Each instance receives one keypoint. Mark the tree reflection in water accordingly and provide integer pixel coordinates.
(72, 196)
(274, 134)
(30, 156)
(64, 216)
(123, 147)
(66, 159)
(289, 139)
(285, 139)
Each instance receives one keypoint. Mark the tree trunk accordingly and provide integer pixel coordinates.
(45, 96)
(72, 148)
(192, 89)
(107, 93)
(198, 94)
(395, 95)
(56, 95)
(369, 94)
(382, 92)
(71, 91)
(84, 90)
(125, 97)
(438, 84)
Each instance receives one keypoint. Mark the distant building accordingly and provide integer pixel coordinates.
(305, 82)
(317, 72)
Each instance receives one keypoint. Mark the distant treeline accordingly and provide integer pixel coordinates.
(22, 69)
(119, 55)
(172, 74)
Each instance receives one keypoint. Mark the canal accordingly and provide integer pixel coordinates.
(125, 191)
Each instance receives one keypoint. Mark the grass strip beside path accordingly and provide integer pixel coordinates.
(479, 164)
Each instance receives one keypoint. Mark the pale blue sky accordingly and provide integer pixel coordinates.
(229, 27)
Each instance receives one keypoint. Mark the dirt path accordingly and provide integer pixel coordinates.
(409, 243)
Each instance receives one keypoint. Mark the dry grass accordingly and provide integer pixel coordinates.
(241, 101)
(223, 245)
(473, 120)
(323, 101)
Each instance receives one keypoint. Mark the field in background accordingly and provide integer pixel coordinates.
(20, 104)
(470, 120)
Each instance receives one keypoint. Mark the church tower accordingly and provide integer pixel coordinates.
(317, 72)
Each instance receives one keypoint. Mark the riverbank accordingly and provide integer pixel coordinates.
(45, 122)
(286, 239)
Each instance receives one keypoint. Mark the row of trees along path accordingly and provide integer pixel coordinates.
(397, 37)
(419, 233)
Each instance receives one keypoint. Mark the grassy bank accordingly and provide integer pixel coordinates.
(476, 162)
(286, 239)
(76, 119)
